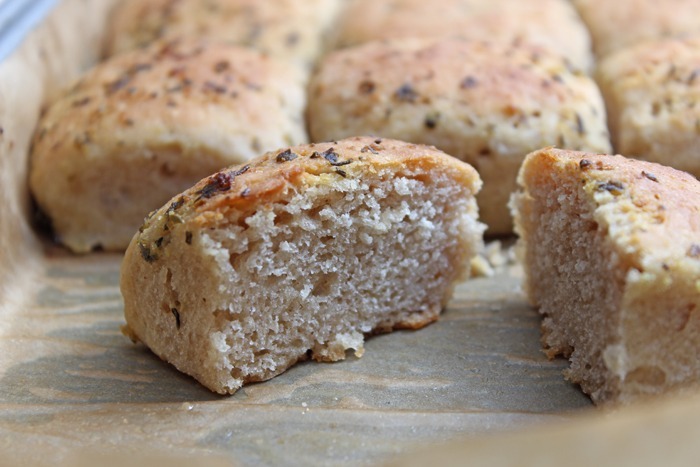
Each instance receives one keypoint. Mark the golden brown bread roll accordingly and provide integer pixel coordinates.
(652, 91)
(486, 104)
(147, 124)
(301, 252)
(611, 250)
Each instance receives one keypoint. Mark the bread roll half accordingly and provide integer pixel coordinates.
(611, 250)
(300, 253)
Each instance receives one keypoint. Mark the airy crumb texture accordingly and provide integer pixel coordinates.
(549, 24)
(301, 253)
(484, 103)
(651, 91)
(146, 125)
(286, 29)
(617, 24)
(611, 249)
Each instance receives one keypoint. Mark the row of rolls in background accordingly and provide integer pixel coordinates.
(188, 87)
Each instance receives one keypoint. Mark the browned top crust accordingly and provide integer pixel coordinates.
(652, 212)
(239, 190)
(184, 93)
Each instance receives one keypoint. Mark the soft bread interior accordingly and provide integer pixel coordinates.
(572, 274)
(313, 274)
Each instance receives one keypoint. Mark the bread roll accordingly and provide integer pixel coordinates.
(486, 104)
(302, 252)
(611, 251)
(652, 91)
(617, 24)
(551, 24)
(145, 125)
(286, 29)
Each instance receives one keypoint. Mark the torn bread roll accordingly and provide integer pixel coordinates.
(651, 91)
(146, 125)
(622, 23)
(549, 24)
(303, 252)
(486, 104)
(286, 29)
(611, 251)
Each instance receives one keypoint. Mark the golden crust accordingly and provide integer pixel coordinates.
(651, 90)
(289, 29)
(654, 213)
(155, 121)
(270, 177)
(484, 103)
(550, 24)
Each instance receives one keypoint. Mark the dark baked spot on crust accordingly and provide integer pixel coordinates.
(584, 164)
(366, 87)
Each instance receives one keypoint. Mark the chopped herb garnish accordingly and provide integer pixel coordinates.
(146, 253)
(694, 250)
(616, 188)
(211, 86)
(219, 182)
(330, 155)
(176, 314)
(650, 176)
(468, 82)
(286, 156)
(431, 120)
(406, 93)
(579, 125)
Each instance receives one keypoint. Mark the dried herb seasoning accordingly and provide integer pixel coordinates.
(176, 314)
(286, 156)
(614, 187)
(468, 82)
(146, 253)
(406, 93)
(694, 250)
(650, 176)
(219, 182)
